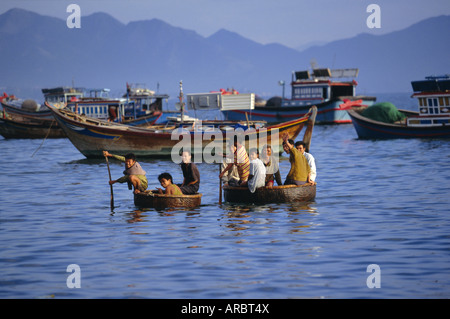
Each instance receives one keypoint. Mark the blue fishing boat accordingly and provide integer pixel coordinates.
(432, 120)
(326, 89)
(138, 106)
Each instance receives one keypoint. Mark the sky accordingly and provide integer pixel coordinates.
(293, 23)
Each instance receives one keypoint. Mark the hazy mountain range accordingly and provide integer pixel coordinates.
(39, 51)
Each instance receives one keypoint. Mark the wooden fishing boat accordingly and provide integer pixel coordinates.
(138, 106)
(28, 119)
(275, 194)
(92, 136)
(23, 126)
(151, 199)
(324, 88)
(431, 121)
(28, 108)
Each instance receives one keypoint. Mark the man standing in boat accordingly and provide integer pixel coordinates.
(241, 161)
(134, 175)
(300, 145)
(272, 166)
(300, 172)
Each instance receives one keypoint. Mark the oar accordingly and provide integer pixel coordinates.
(220, 185)
(112, 194)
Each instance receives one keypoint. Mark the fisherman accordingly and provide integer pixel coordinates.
(301, 146)
(191, 175)
(241, 161)
(134, 175)
(300, 172)
(230, 177)
(257, 177)
(272, 166)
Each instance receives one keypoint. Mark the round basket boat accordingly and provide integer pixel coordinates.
(149, 199)
(275, 194)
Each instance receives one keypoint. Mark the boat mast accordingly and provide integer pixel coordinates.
(181, 101)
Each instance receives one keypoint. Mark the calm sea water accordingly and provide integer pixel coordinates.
(378, 202)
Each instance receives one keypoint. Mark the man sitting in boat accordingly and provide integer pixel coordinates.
(300, 145)
(300, 172)
(257, 177)
(191, 181)
(241, 161)
(134, 175)
(272, 167)
(166, 181)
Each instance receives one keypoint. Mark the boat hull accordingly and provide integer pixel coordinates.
(44, 115)
(266, 195)
(329, 112)
(91, 136)
(370, 129)
(13, 127)
(149, 199)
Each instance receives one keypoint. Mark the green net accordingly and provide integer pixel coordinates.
(383, 112)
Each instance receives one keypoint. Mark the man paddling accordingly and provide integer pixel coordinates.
(134, 175)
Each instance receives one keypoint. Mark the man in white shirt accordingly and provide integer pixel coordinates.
(300, 145)
(257, 177)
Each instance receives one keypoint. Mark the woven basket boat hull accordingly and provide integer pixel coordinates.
(149, 199)
(265, 195)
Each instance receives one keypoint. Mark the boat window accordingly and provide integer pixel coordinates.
(441, 101)
(337, 91)
(420, 102)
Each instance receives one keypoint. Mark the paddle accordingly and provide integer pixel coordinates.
(220, 185)
(110, 179)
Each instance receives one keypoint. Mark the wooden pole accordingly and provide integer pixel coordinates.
(110, 179)
(220, 185)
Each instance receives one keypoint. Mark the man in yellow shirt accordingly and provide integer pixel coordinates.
(300, 172)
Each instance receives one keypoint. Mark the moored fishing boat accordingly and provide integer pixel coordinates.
(28, 119)
(138, 106)
(29, 108)
(319, 88)
(19, 126)
(92, 136)
(275, 194)
(151, 199)
(431, 121)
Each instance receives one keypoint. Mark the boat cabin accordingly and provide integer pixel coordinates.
(96, 103)
(433, 95)
(319, 87)
(59, 96)
(142, 101)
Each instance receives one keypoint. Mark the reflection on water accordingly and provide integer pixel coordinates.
(298, 218)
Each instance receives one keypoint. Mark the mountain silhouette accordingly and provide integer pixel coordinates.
(39, 51)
